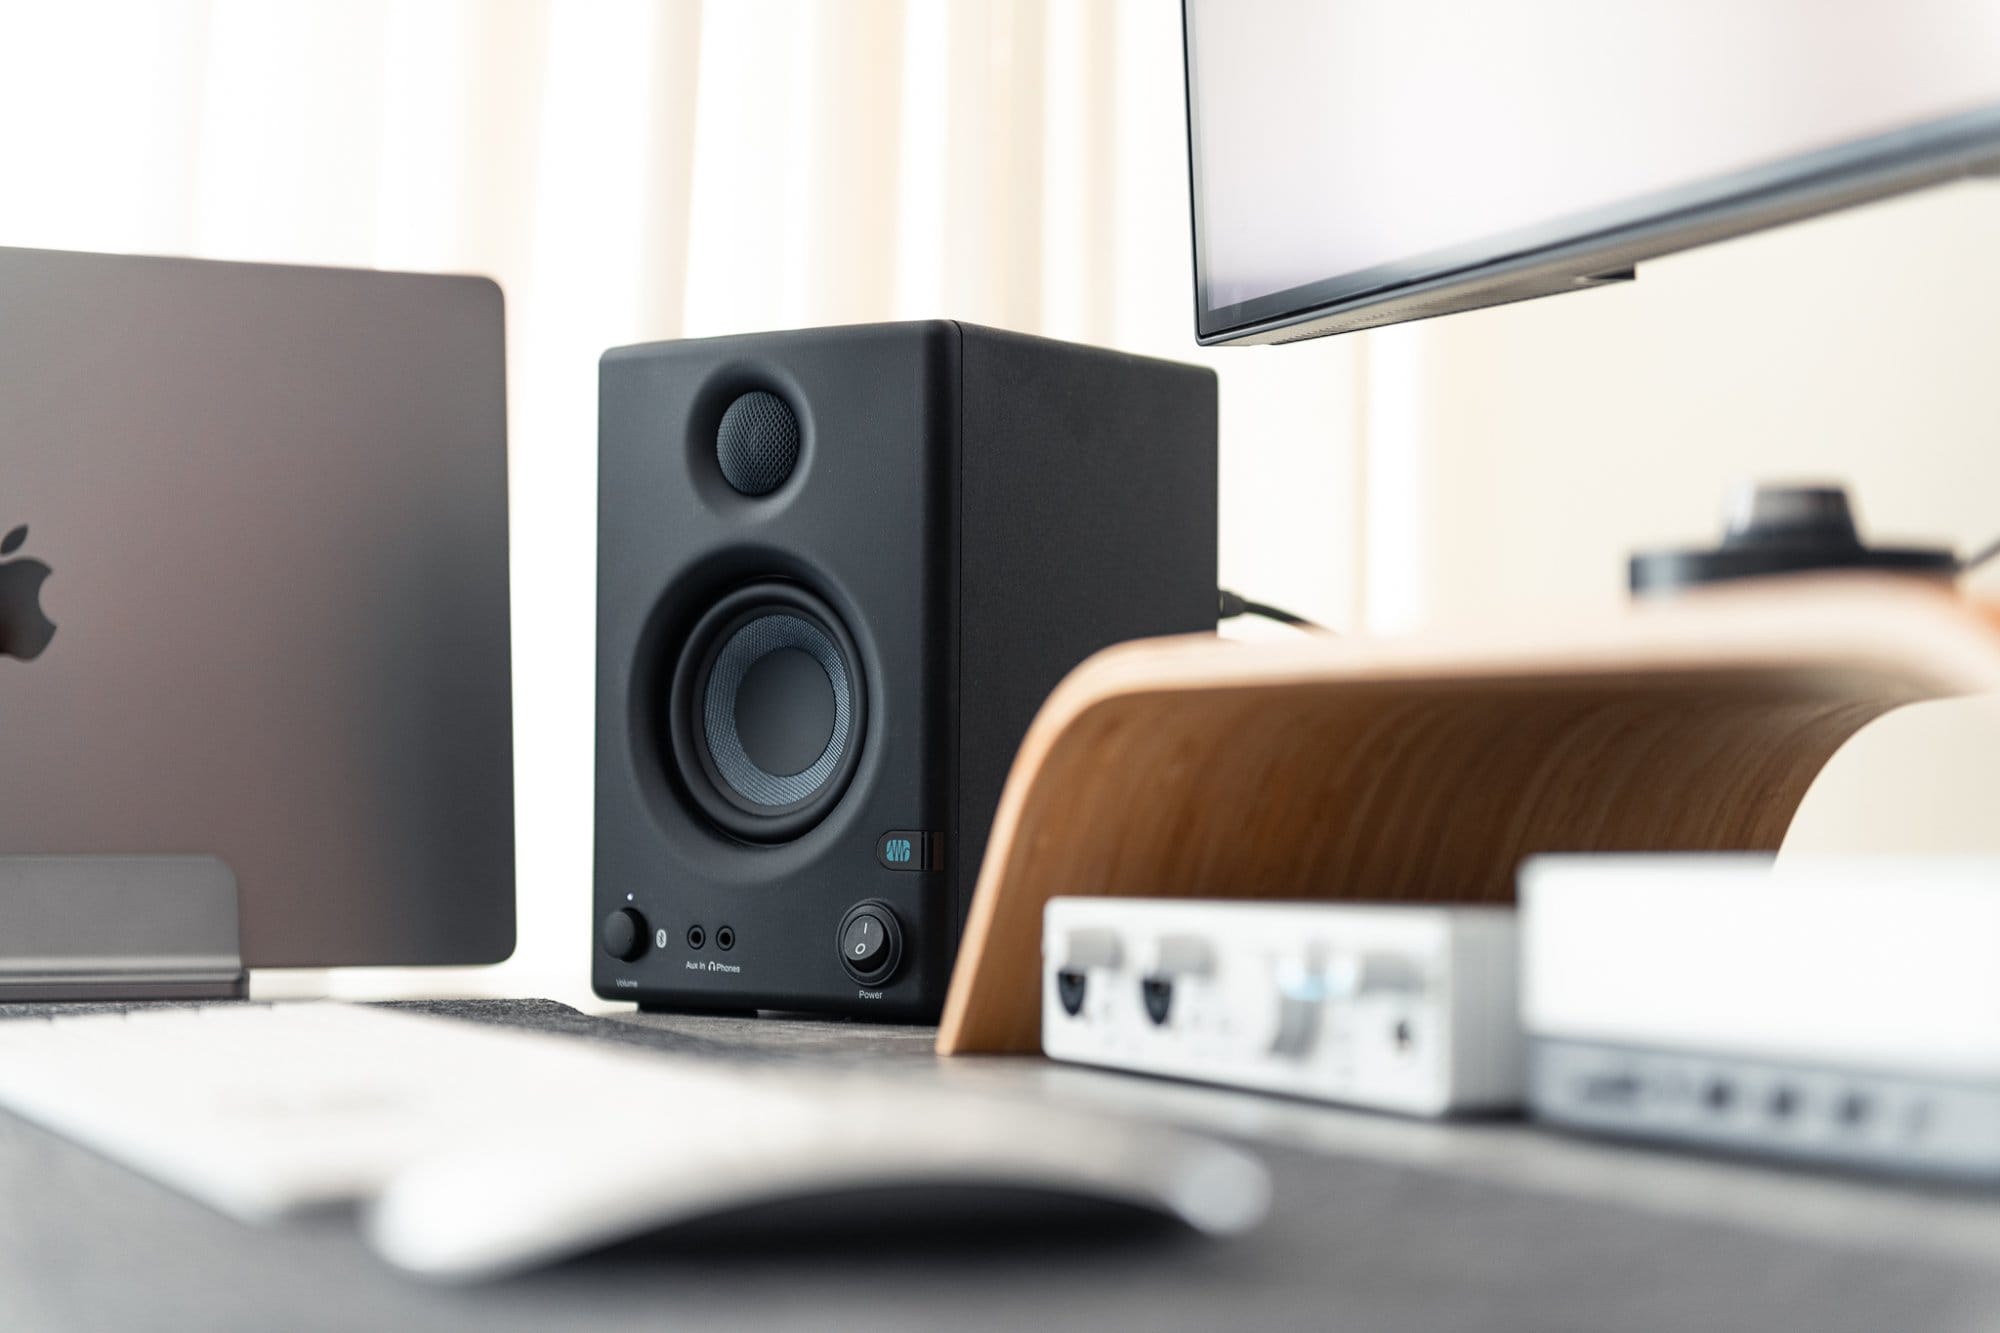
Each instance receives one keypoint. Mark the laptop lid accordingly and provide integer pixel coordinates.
(254, 596)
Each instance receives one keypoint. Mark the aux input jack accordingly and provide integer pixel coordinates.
(696, 937)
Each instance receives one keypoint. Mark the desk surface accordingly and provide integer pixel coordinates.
(1378, 1224)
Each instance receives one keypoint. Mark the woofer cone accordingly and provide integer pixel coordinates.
(767, 712)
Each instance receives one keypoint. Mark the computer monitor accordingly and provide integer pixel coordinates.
(254, 592)
(1361, 162)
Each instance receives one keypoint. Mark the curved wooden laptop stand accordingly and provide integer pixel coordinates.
(1425, 769)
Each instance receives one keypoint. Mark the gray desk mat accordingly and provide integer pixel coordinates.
(1354, 1242)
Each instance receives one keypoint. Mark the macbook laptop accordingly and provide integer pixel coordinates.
(254, 592)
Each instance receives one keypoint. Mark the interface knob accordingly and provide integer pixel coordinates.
(623, 934)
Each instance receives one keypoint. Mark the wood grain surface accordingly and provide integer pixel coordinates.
(1425, 768)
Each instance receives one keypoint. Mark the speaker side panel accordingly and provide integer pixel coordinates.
(1088, 517)
(861, 529)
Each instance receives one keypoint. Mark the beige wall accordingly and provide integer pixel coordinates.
(1532, 447)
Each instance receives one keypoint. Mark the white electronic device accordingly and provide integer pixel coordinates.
(1398, 1008)
(1841, 1010)
(478, 1150)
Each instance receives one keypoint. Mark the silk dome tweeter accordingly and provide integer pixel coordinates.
(757, 443)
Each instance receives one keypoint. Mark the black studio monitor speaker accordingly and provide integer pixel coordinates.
(838, 572)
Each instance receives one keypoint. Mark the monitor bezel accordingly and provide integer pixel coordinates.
(1575, 251)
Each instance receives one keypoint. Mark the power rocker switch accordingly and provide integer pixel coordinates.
(870, 941)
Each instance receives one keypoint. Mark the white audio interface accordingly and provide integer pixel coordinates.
(1399, 1008)
(1846, 1011)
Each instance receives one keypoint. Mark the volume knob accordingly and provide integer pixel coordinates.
(623, 934)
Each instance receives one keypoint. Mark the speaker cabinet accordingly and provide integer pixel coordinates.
(838, 571)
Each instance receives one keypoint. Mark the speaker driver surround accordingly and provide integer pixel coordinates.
(766, 712)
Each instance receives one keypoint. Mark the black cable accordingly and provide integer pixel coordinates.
(1229, 605)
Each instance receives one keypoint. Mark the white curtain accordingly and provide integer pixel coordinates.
(632, 170)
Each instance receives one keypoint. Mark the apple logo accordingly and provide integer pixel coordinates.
(24, 630)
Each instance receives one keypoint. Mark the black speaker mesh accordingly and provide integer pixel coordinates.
(757, 443)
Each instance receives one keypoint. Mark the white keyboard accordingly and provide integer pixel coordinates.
(478, 1150)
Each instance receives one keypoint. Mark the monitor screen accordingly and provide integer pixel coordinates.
(1347, 154)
